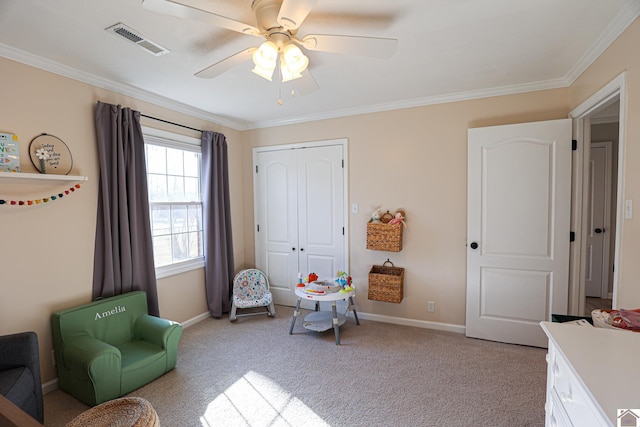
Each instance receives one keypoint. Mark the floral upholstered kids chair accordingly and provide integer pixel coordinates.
(250, 290)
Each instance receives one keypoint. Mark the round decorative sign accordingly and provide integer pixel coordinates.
(49, 154)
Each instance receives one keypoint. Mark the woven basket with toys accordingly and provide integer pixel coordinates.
(384, 231)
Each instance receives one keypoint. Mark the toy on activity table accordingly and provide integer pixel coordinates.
(312, 277)
(344, 280)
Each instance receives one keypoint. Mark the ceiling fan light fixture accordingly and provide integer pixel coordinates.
(287, 75)
(293, 59)
(265, 73)
(264, 59)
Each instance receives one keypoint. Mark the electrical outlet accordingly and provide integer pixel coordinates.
(431, 306)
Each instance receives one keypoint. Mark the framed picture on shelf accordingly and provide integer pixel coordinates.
(49, 154)
(9, 153)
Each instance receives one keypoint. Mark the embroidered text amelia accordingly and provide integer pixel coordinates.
(116, 310)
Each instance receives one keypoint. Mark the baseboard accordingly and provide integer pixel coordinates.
(50, 386)
(368, 316)
(411, 322)
(194, 320)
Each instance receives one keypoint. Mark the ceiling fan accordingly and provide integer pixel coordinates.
(278, 21)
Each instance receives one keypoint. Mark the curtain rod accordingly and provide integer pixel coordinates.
(171, 123)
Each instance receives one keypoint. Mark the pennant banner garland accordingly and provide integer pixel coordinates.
(41, 200)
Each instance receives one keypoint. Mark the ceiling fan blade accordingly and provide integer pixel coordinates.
(226, 64)
(364, 46)
(293, 13)
(306, 84)
(173, 8)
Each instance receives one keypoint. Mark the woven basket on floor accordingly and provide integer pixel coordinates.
(384, 237)
(122, 412)
(386, 283)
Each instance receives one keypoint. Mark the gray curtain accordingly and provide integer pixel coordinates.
(218, 244)
(123, 260)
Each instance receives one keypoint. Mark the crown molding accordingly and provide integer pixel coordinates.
(123, 89)
(416, 102)
(611, 33)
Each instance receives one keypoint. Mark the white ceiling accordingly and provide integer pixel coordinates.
(448, 50)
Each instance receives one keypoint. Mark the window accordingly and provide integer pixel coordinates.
(175, 202)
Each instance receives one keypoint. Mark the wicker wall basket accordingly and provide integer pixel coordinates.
(384, 237)
(386, 283)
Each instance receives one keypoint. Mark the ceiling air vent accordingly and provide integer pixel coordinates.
(133, 36)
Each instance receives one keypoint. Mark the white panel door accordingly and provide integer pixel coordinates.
(519, 185)
(321, 211)
(599, 204)
(299, 216)
(276, 199)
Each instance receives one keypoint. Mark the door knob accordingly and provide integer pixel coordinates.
(301, 249)
(293, 249)
(599, 230)
(474, 245)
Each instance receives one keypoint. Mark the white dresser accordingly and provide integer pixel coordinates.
(591, 373)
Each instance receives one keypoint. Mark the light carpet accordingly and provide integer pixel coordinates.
(253, 373)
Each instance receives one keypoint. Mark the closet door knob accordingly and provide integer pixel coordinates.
(474, 245)
(293, 249)
(301, 249)
(599, 230)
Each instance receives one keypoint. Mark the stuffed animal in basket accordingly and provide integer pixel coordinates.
(376, 215)
(398, 219)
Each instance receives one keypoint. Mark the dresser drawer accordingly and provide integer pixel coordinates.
(567, 392)
(556, 415)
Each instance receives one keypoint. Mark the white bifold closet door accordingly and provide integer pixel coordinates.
(299, 215)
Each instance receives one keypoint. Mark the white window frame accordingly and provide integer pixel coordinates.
(181, 142)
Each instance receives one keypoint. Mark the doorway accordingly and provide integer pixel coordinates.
(598, 219)
(597, 120)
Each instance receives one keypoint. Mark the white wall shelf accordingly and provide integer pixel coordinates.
(24, 177)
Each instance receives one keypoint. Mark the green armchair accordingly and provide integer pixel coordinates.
(110, 347)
